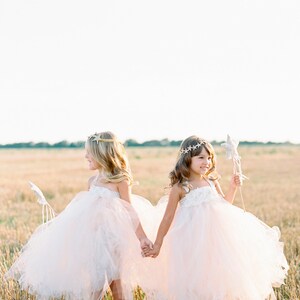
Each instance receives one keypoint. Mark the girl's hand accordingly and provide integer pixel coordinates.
(152, 252)
(146, 245)
(236, 180)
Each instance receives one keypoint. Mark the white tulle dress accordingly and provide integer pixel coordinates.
(84, 248)
(216, 251)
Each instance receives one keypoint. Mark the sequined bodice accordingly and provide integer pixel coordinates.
(103, 191)
(199, 195)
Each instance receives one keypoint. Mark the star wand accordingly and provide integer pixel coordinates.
(232, 153)
(47, 211)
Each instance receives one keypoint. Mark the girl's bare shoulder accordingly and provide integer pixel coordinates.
(177, 191)
(123, 184)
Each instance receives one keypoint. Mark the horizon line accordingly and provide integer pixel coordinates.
(129, 142)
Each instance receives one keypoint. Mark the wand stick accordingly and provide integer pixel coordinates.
(232, 153)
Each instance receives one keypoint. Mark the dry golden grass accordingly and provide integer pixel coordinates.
(272, 194)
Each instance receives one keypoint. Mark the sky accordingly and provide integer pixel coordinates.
(149, 69)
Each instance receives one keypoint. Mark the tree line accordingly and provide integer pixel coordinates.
(127, 143)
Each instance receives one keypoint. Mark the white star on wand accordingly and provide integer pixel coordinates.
(232, 153)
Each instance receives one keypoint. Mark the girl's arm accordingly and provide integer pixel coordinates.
(234, 183)
(125, 194)
(174, 197)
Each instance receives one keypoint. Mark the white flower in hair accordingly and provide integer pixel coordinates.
(190, 148)
(96, 138)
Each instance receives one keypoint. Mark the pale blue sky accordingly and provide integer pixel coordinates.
(149, 69)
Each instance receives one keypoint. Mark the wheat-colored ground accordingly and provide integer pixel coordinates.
(272, 194)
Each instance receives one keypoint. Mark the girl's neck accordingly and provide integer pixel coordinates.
(197, 181)
(100, 176)
(196, 177)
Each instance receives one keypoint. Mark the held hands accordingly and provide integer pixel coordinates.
(145, 243)
(151, 252)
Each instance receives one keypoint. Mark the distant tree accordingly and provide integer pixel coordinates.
(165, 142)
(175, 143)
(79, 144)
(41, 145)
(151, 143)
(61, 144)
(131, 143)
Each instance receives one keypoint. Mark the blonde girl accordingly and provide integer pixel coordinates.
(92, 243)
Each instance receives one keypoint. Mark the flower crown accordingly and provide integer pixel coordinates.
(96, 138)
(190, 148)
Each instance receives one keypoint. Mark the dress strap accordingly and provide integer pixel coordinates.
(94, 181)
(186, 189)
(210, 182)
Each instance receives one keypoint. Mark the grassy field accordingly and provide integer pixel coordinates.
(271, 193)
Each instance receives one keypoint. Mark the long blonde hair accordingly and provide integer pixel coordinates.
(192, 146)
(111, 156)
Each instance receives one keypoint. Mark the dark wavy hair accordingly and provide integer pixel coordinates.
(181, 173)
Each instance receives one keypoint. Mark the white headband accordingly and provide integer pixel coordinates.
(190, 148)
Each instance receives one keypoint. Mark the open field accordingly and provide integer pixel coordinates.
(272, 194)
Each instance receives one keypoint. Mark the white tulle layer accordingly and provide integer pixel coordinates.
(214, 251)
(84, 248)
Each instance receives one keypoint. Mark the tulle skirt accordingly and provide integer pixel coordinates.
(82, 250)
(215, 251)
